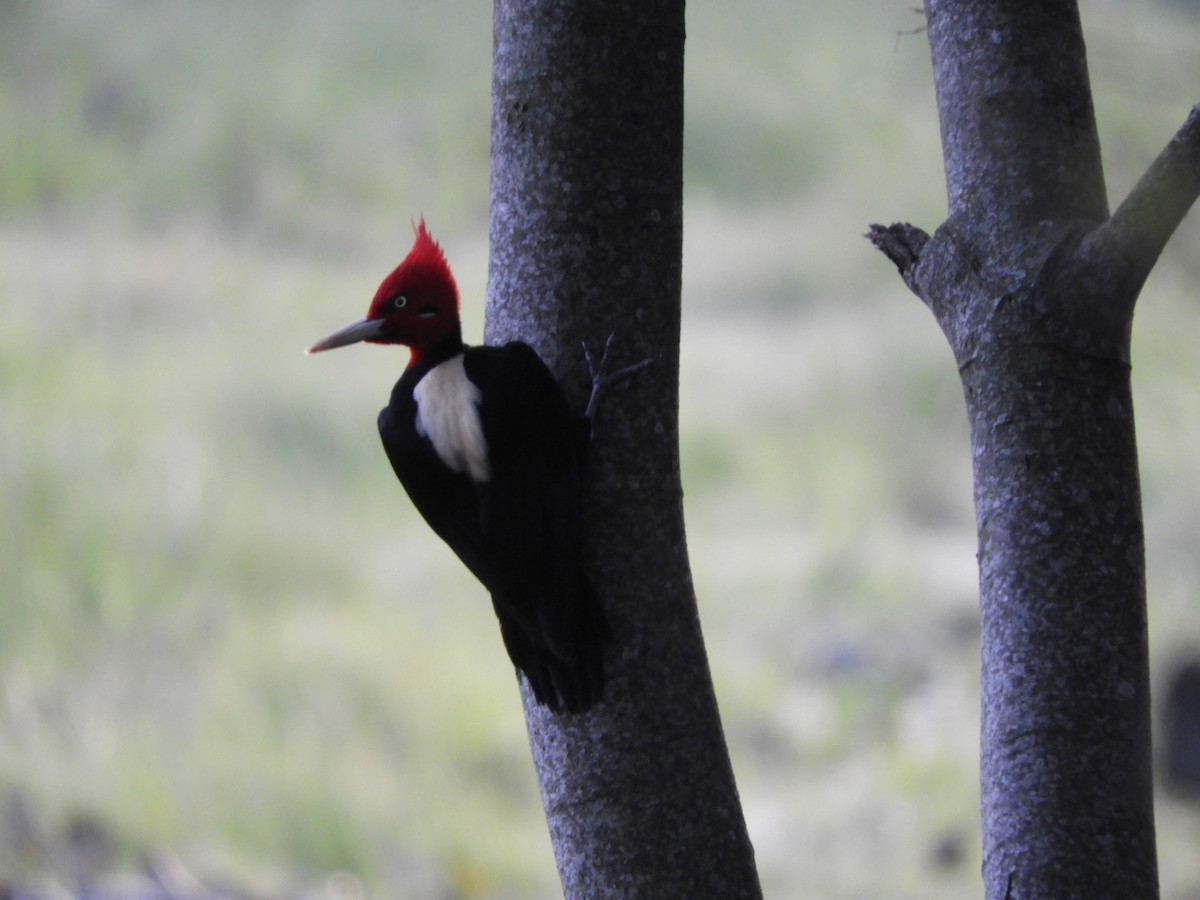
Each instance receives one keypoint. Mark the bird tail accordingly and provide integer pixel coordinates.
(562, 659)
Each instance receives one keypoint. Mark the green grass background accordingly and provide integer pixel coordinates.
(225, 637)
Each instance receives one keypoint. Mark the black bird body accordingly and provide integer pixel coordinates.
(486, 446)
(488, 450)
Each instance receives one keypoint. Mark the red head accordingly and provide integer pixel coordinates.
(416, 305)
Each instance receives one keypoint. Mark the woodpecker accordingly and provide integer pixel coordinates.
(491, 455)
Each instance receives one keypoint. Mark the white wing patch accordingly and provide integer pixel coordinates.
(448, 415)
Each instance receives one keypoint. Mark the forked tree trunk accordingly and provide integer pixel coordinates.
(1034, 285)
(586, 241)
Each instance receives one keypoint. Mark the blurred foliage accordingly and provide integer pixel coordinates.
(227, 639)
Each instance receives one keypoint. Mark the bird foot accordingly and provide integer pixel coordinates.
(604, 381)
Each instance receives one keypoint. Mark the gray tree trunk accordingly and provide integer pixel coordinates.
(1034, 285)
(586, 241)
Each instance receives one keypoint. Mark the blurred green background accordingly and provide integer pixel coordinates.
(228, 645)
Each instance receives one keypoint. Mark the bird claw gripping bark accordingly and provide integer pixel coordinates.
(603, 381)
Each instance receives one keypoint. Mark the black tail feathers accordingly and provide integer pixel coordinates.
(564, 664)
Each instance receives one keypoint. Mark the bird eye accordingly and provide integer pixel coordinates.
(400, 302)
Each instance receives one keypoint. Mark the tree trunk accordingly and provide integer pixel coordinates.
(1034, 285)
(586, 241)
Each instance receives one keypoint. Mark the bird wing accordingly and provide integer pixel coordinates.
(530, 505)
(553, 625)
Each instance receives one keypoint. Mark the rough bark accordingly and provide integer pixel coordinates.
(586, 240)
(1034, 285)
